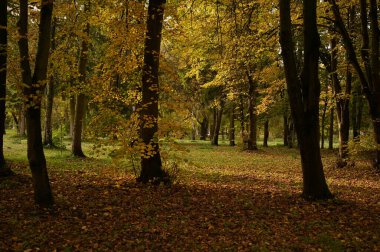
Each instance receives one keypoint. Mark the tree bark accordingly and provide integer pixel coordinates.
(242, 118)
(266, 133)
(218, 122)
(4, 169)
(32, 93)
(232, 127)
(323, 123)
(48, 132)
(204, 128)
(151, 165)
(342, 105)
(286, 130)
(81, 100)
(72, 114)
(212, 125)
(22, 122)
(357, 111)
(252, 138)
(331, 129)
(304, 96)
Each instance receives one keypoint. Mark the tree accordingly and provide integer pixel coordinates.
(32, 90)
(48, 132)
(4, 170)
(304, 96)
(369, 75)
(80, 102)
(151, 165)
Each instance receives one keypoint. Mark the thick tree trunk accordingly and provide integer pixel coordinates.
(215, 139)
(80, 102)
(232, 127)
(266, 133)
(331, 129)
(4, 169)
(252, 138)
(291, 135)
(48, 132)
(151, 166)
(204, 128)
(32, 92)
(304, 96)
(286, 130)
(36, 157)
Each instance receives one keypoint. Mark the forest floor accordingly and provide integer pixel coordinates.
(223, 199)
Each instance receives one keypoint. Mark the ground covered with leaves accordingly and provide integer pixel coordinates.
(223, 199)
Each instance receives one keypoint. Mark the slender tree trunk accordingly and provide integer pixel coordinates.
(242, 120)
(32, 92)
(151, 166)
(212, 126)
(357, 111)
(304, 96)
(266, 133)
(204, 128)
(4, 169)
(252, 139)
(72, 114)
(22, 123)
(215, 139)
(81, 100)
(323, 123)
(331, 129)
(342, 105)
(193, 130)
(232, 127)
(48, 132)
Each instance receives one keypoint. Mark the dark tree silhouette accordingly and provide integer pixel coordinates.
(304, 96)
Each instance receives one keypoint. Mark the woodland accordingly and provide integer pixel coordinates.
(189, 125)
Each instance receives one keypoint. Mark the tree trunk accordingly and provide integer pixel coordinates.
(151, 166)
(370, 76)
(286, 130)
(80, 102)
(323, 123)
(242, 120)
(204, 128)
(32, 93)
(212, 125)
(342, 105)
(215, 139)
(4, 169)
(72, 114)
(48, 132)
(304, 96)
(252, 139)
(291, 135)
(357, 111)
(266, 133)
(232, 127)
(331, 129)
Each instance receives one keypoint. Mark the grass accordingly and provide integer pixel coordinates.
(224, 199)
